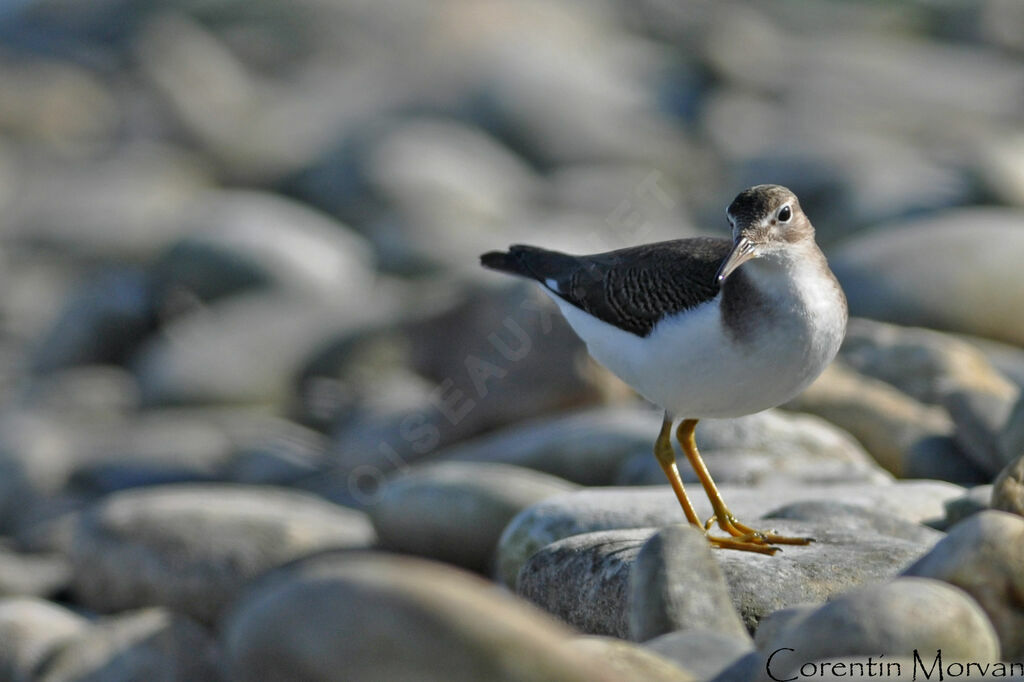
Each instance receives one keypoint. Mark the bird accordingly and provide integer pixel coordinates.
(704, 327)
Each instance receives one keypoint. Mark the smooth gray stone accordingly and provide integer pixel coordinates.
(890, 424)
(948, 272)
(980, 418)
(30, 629)
(1008, 489)
(193, 548)
(925, 364)
(456, 511)
(707, 654)
(984, 556)
(840, 559)
(152, 644)
(853, 518)
(630, 661)
(588, 447)
(939, 457)
(676, 585)
(245, 349)
(244, 240)
(976, 499)
(379, 617)
(102, 322)
(585, 579)
(652, 507)
(1012, 438)
(765, 448)
(35, 575)
(885, 619)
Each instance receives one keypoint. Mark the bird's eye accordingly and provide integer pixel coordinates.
(785, 214)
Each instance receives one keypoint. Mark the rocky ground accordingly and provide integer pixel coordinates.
(263, 417)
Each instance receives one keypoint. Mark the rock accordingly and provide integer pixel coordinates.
(629, 661)
(765, 448)
(245, 349)
(853, 518)
(279, 453)
(677, 585)
(585, 579)
(153, 644)
(1012, 439)
(1008, 489)
(192, 548)
(388, 618)
(705, 653)
(614, 446)
(122, 207)
(884, 620)
(30, 629)
(494, 357)
(887, 422)
(588, 447)
(239, 241)
(103, 322)
(925, 364)
(980, 418)
(618, 508)
(439, 175)
(456, 511)
(93, 392)
(35, 575)
(941, 458)
(976, 499)
(936, 273)
(984, 556)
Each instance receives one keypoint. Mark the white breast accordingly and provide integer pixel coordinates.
(693, 368)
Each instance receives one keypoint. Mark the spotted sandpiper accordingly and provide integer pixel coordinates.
(704, 327)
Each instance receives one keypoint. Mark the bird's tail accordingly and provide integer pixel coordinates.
(528, 261)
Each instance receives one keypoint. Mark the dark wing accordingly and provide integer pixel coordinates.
(632, 288)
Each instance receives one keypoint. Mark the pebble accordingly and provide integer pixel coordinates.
(925, 364)
(883, 620)
(976, 499)
(705, 653)
(1008, 489)
(456, 511)
(151, 644)
(376, 616)
(980, 418)
(766, 448)
(240, 240)
(31, 629)
(1012, 439)
(620, 508)
(244, 349)
(984, 556)
(585, 579)
(629, 661)
(890, 424)
(614, 446)
(948, 272)
(676, 585)
(193, 548)
(33, 575)
(103, 321)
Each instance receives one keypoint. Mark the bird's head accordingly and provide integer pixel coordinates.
(766, 220)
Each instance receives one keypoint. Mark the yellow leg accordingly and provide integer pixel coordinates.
(725, 519)
(667, 459)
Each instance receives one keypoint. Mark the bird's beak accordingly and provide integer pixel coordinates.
(741, 252)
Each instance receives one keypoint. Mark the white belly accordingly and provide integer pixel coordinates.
(692, 368)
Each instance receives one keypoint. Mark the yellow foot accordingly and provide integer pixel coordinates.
(748, 535)
(743, 544)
